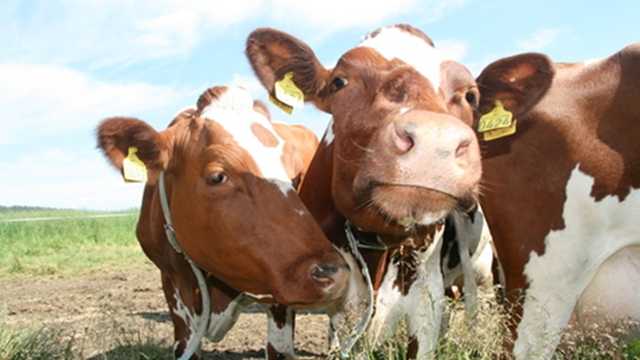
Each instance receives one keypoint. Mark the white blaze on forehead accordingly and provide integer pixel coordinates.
(234, 112)
(394, 43)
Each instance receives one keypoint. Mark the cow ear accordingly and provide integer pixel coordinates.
(274, 54)
(519, 82)
(116, 135)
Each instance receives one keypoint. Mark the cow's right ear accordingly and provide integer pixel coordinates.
(117, 134)
(519, 82)
(274, 54)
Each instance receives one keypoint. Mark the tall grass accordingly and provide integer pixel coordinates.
(64, 242)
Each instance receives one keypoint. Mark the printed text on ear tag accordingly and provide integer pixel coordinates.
(497, 123)
(133, 169)
(501, 132)
(287, 92)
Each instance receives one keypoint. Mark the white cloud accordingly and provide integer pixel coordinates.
(539, 40)
(104, 33)
(328, 16)
(250, 83)
(44, 100)
(78, 180)
(453, 49)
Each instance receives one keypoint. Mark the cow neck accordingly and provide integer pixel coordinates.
(194, 342)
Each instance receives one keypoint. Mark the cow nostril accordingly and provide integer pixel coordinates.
(402, 139)
(462, 153)
(324, 275)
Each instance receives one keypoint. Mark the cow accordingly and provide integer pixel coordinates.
(220, 179)
(560, 192)
(398, 157)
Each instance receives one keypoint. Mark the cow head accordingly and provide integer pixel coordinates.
(402, 148)
(234, 210)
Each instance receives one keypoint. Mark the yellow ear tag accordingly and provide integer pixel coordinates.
(133, 169)
(497, 123)
(501, 132)
(282, 106)
(287, 92)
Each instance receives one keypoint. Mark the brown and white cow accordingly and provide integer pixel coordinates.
(398, 157)
(236, 215)
(561, 195)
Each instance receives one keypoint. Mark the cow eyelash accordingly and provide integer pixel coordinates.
(217, 179)
(338, 83)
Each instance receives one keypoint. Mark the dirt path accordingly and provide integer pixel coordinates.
(130, 306)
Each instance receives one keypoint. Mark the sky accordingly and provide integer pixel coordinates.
(67, 64)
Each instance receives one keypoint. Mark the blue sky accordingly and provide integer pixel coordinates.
(65, 65)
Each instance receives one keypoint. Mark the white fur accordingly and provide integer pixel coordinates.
(393, 43)
(281, 338)
(422, 307)
(328, 137)
(221, 323)
(234, 112)
(593, 232)
(192, 320)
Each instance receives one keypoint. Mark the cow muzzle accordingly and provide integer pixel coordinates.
(421, 165)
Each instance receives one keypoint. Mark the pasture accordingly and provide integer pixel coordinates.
(76, 285)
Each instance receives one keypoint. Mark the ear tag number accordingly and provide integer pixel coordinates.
(133, 169)
(497, 123)
(287, 93)
(501, 132)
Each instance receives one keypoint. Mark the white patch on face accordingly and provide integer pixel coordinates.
(285, 186)
(234, 112)
(393, 43)
(328, 137)
(593, 232)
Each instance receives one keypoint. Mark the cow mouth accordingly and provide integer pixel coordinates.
(411, 205)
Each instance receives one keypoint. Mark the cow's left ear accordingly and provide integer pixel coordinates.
(519, 82)
(117, 135)
(274, 54)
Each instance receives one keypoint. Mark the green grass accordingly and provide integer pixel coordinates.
(74, 242)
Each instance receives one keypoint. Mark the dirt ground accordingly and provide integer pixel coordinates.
(130, 306)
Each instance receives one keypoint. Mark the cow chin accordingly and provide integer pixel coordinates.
(409, 206)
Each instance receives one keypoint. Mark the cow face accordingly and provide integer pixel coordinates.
(402, 149)
(234, 209)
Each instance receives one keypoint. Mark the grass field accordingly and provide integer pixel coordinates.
(64, 243)
(37, 241)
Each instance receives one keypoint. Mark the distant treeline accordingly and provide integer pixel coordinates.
(22, 208)
(17, 208)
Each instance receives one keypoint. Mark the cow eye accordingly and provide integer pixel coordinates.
(471, 98)
(217, 179)
(338, 83)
